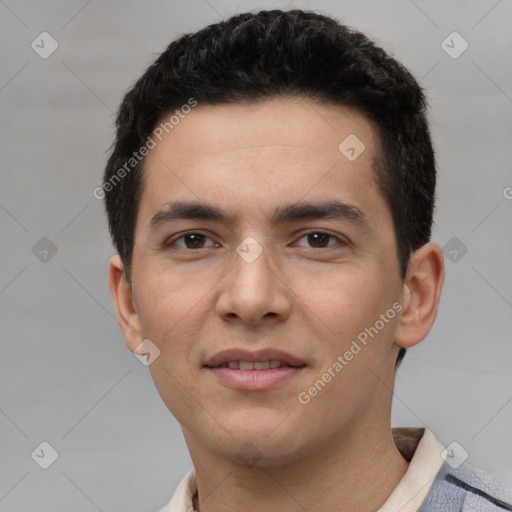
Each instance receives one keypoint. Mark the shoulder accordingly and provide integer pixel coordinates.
(466, 488)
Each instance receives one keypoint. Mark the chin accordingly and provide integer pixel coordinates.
(261, 454)
(260, 447)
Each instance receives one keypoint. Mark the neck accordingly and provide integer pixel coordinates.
(357, 472)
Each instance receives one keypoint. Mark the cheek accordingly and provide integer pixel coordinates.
(346, 300)
(166, 299)
(352, 307)
(170, 315)
(176, 391)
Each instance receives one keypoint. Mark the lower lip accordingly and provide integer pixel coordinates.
(255, 379)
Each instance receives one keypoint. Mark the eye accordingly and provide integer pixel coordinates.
(191, 240)
(320, 239)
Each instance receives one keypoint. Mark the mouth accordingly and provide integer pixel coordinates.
(261, 370)
(255, 365)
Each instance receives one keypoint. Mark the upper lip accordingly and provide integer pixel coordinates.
(257, 356)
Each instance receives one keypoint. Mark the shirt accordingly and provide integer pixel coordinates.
(417, 445)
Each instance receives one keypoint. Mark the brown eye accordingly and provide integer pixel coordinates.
(191, 241)
(319, 239)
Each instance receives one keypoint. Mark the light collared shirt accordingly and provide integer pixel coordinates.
(417, 445)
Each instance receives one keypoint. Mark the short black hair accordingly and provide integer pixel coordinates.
(256, 56)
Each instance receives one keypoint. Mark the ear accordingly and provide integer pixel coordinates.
(121, 292)
(420, 295)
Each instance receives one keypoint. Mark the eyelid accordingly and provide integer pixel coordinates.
(169, 242)
(341, 240)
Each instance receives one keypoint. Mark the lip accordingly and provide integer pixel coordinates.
(253, 380)
(258, 356)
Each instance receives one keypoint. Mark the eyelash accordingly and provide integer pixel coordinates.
(171, 243)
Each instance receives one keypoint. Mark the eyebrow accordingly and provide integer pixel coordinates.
(183, 210)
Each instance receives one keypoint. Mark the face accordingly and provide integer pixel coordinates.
(282, 253)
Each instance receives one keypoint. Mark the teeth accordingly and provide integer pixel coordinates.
(249, 365)
(263, 365)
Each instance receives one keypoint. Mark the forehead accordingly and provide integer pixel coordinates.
(297, 123)
(266, 153)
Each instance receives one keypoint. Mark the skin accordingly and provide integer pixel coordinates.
(337, 451)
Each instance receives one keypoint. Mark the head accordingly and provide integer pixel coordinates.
(256, 120)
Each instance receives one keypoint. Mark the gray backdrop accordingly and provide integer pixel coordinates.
(67, 378)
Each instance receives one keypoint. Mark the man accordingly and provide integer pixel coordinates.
(270, 194)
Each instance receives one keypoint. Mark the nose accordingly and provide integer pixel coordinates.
(253, 291)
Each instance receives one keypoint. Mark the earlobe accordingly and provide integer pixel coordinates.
(127, 315)
(421, 295)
